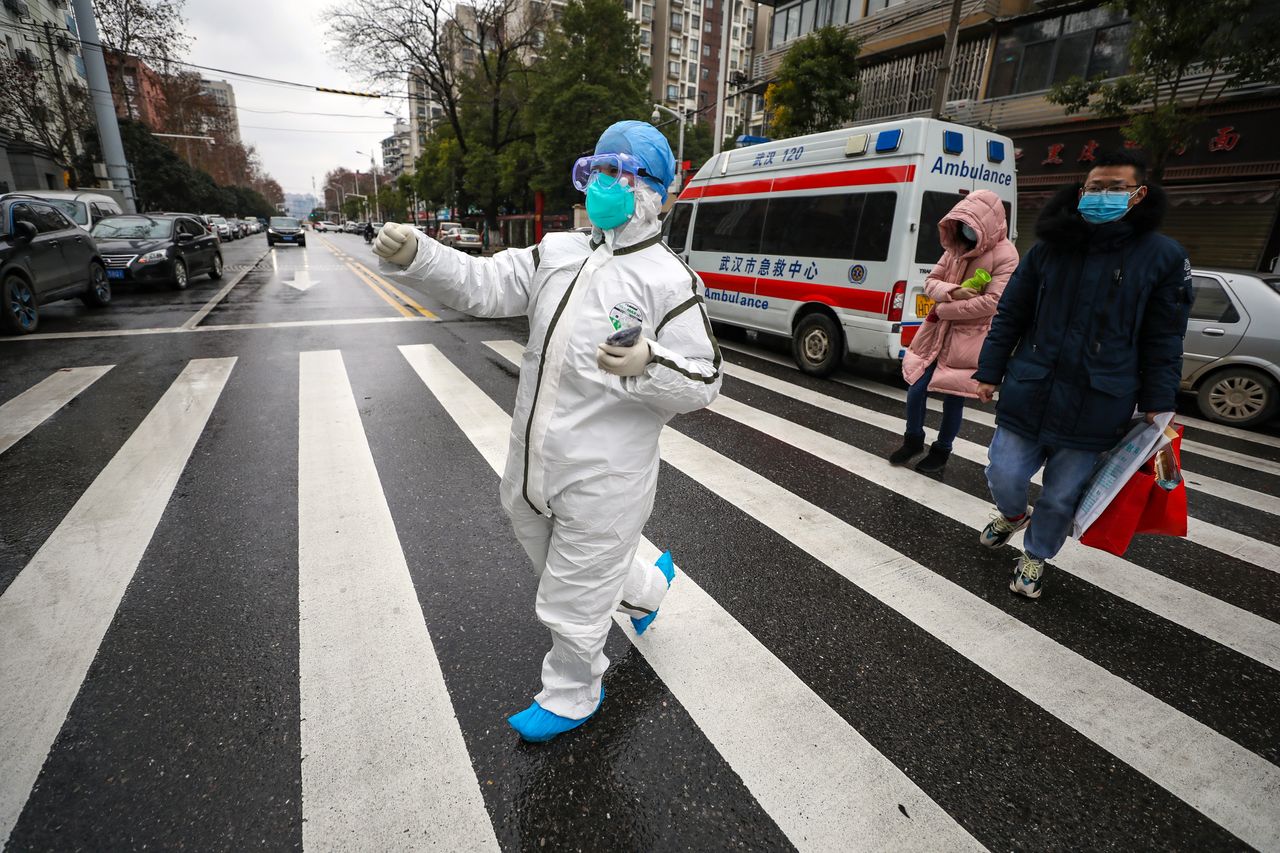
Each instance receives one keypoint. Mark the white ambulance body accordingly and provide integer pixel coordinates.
(828, 238)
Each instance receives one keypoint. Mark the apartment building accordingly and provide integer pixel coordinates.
(396, 152)
(224, 95)
(136, 89)
(41, 35)
(681, 41)
(1224, 186)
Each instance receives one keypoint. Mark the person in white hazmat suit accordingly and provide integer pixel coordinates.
(582, 467)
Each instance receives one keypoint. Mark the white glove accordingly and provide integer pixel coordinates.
(396, 244)
(624, 361)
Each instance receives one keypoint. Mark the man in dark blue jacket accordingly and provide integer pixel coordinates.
(1089, 329)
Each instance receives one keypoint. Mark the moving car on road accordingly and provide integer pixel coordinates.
(464, 240)
(1231, 354)
(44, 257)
(162, 247)
(285, 229)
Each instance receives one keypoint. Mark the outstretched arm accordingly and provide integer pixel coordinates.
(483, 287)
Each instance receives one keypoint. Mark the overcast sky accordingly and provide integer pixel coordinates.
(286, 39)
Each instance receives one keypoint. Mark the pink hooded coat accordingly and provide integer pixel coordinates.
(955, 341)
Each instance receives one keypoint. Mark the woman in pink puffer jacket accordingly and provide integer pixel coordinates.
(944, 353)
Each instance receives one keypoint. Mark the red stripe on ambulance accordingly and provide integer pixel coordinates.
(823, 180)
(837, 296)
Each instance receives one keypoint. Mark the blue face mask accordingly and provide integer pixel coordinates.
(1100, 207)
(610, 202)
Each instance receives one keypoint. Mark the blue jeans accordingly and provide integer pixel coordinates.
(952, 411)
(1014, 461)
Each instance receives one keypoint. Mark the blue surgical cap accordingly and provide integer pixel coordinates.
(647, 144)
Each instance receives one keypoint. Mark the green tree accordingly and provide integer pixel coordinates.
(590, 76)
(1184, 56)
(817, 84)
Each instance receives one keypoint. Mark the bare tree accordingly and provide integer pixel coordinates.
(474, 60)
(149, 29)
(49, 115)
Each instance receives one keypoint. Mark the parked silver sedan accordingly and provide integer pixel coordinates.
(1231, 356)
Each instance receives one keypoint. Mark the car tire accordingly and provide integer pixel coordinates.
(1239, 397)
(215, 270)
(181, 277)
(302, 243)
(270, 242)
(98, 294)
(817, 345)
(20, 314)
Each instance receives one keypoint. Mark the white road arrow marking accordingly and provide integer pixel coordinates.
(302, 281)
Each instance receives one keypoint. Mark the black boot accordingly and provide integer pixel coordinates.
(911, 445)
(935, 462)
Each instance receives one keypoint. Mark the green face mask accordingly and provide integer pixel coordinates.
(610, 202)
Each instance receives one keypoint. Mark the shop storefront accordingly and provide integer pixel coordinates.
(1223, 185)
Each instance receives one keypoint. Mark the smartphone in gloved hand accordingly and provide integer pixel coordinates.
(624, 337)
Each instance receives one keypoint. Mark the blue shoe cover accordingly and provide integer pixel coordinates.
(668, 568)
(538, 725)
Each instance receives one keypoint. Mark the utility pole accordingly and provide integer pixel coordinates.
(100, 88)
(67, 131)
(722, 83)
(943, 81)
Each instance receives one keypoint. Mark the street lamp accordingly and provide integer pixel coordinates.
(373, 168)
(680, 155)
(338, 191)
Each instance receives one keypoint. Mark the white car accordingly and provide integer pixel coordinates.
(84, 208)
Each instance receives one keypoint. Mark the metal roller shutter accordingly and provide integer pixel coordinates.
(1223, 225)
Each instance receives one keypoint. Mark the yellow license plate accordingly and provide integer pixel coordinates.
(923, 305)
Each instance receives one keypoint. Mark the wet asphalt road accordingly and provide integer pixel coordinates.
(839, 659)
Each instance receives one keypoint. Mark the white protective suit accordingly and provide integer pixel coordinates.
(583, 461)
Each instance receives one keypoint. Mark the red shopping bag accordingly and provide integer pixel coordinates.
(1141, 507)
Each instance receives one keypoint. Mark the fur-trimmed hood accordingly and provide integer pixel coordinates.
(1060, 222)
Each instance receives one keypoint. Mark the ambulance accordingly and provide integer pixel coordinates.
(828, 238)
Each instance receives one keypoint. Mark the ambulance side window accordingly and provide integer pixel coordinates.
(933, 209)
(875, 230)
(821, 226)
(678, 226)
(729, 226)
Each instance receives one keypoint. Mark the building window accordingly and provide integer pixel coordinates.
(706, 50)
(1032, 57)
(706, 72)
(676, 21)
(673, 68)
(673, 92)
(691, 92)
(697, 21)
(644, 37)
(879, 5)
(675, 45)
(706, 28)
(646, 13)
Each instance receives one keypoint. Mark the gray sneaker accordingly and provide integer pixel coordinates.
(1028, 577)
(1001, 529)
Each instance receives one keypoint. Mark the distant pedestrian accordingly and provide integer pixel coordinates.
(1089, 327)
(965, 285)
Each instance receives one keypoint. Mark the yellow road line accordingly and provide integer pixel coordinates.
(391, 287)
(386, 297)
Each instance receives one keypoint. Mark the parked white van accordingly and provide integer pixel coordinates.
(828, 238)
(83, 207)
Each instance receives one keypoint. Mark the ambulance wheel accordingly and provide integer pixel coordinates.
(817, 344)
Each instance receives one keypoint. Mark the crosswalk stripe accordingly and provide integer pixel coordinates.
(1228, 542)
(1196, 481)
(54, 614)
(385, 764)
(815, 775)
(34, 406)
(1227, 783)
(1210, 617)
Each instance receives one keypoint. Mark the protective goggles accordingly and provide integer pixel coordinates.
(612, 165)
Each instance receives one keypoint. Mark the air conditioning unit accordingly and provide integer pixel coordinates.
(25, 55)
(17, 7)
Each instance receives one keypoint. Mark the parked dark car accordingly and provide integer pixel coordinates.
(157, 247)
(44, 257)
(285, 229)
